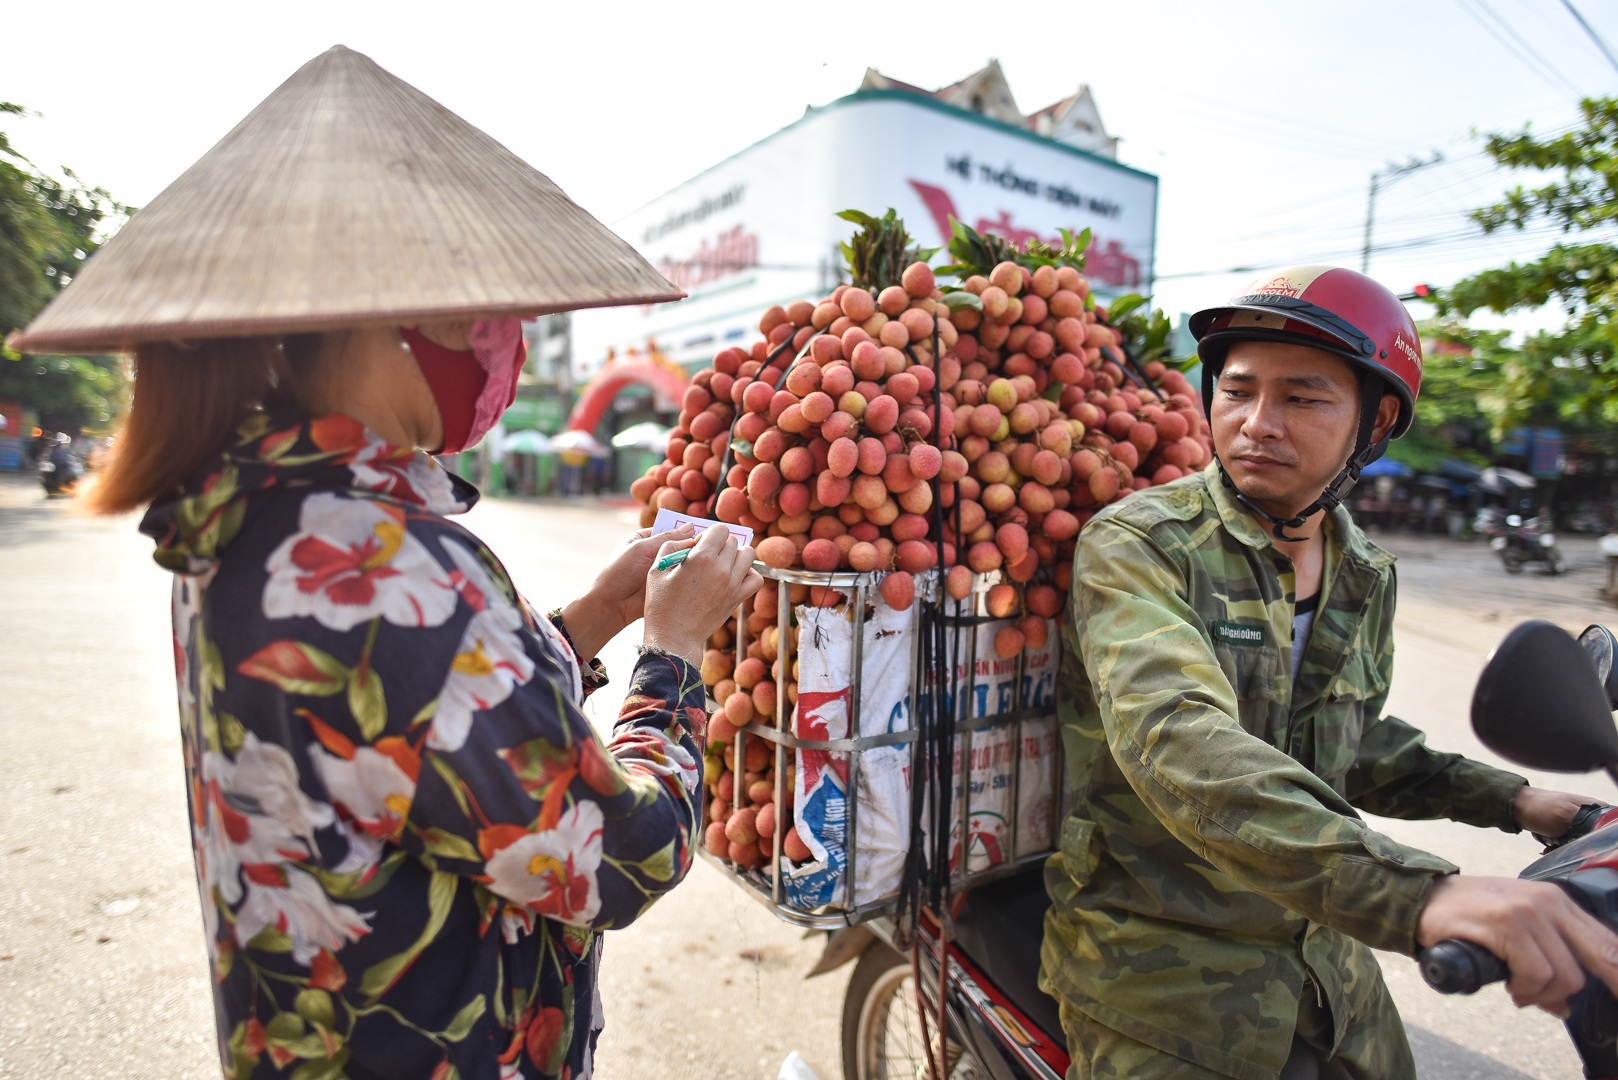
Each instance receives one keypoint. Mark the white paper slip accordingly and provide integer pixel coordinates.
(668, 519)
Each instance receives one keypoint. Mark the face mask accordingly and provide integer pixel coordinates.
(474, 386)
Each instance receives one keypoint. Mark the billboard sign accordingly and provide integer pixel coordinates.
(761, 228)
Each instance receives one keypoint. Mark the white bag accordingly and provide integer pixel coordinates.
(992, 774)
(825, 694)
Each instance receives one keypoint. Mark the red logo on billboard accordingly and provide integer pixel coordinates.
(730, 253)
(1106, 262)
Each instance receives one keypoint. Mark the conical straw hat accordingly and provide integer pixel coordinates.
(348, 197)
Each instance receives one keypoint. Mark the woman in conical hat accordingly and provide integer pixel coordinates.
(406, 831)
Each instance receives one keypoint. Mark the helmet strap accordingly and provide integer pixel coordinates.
(1371, 390)
(1278, 525)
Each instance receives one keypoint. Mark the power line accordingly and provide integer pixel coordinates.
(1328, 220)
(1522, 42)
(1588, 29)
(1506, 245)
(1543, 70)
(1231, 114)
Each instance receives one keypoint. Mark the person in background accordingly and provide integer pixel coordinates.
(1229, 648)
(408, 836)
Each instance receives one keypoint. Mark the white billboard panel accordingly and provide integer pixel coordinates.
(760, 228)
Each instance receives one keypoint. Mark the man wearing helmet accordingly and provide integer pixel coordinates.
(1215, 893)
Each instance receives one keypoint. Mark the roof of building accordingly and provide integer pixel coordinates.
(1074, 120)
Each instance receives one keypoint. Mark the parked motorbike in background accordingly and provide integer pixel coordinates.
(1521, 541)
(1540, 701)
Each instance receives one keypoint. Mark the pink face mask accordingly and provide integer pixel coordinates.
(472, 387)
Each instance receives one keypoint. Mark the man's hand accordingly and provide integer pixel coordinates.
(1547, 813)
(1547, 940)
(618, 595)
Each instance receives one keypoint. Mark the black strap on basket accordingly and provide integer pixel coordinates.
(926, 879)
(730, 456)
(926, 883)
(1132, 368)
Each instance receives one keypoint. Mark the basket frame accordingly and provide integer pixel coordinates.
(767, 886)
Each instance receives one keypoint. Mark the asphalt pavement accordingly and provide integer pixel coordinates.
(102, 966)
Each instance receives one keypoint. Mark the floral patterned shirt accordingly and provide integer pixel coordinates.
(407, 834)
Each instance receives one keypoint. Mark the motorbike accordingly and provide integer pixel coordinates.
(1521, 541)
(977, 976)
(58, 478)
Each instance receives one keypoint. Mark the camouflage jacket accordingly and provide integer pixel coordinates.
(1214, 865)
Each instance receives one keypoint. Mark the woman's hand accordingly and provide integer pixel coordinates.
(618, 595)
(685, 605)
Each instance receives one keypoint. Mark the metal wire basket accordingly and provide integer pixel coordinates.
(1029, 705)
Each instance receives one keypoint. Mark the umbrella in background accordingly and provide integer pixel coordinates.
(526, 442)
(645, 435)
(1460, 471)
(1385, 466)
(582, 441)
(1497, 480)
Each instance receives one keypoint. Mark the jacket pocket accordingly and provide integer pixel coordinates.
(1079, 847)
(1342, 719)
(1252, 674)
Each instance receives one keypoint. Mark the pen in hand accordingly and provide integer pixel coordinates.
(671, 560)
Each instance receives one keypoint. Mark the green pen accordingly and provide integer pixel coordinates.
(671, 560)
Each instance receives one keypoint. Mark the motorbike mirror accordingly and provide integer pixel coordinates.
(1602, 646)
(1540, 703)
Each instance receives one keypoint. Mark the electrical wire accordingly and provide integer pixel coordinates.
(1330, 222)
(1463, 242)
(1522, 41)
(1590, 30)
(1517, 48)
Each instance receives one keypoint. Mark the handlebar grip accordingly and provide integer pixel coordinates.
(1454, 966)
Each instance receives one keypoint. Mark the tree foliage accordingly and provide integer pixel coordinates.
(1571, 371)
(49, 224)
(1463, 392)
(67, 392)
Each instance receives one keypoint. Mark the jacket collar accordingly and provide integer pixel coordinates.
(1245, 526)
(280, 450)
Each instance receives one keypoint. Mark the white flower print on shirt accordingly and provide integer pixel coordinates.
(490, 660)
(352, 560)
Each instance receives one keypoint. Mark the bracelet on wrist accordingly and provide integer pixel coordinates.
(593, 675)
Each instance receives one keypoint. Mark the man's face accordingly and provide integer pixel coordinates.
(1284, 418)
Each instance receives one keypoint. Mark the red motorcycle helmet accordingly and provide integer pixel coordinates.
(1327, 307)
(1340, 312)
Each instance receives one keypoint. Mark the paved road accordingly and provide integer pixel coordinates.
(102, 969)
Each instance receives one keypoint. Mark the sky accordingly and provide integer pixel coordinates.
(1264, 121)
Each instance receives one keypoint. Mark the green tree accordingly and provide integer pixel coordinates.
(49, 224)
(67, 392)
(1462, 396)
(1572, 371)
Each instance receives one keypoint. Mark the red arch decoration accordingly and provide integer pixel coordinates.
(666, 381)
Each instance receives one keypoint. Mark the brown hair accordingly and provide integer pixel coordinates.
(188, 400)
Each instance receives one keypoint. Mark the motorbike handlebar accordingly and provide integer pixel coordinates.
(1454, 966)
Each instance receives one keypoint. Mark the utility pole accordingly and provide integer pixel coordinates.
(1391, 173)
